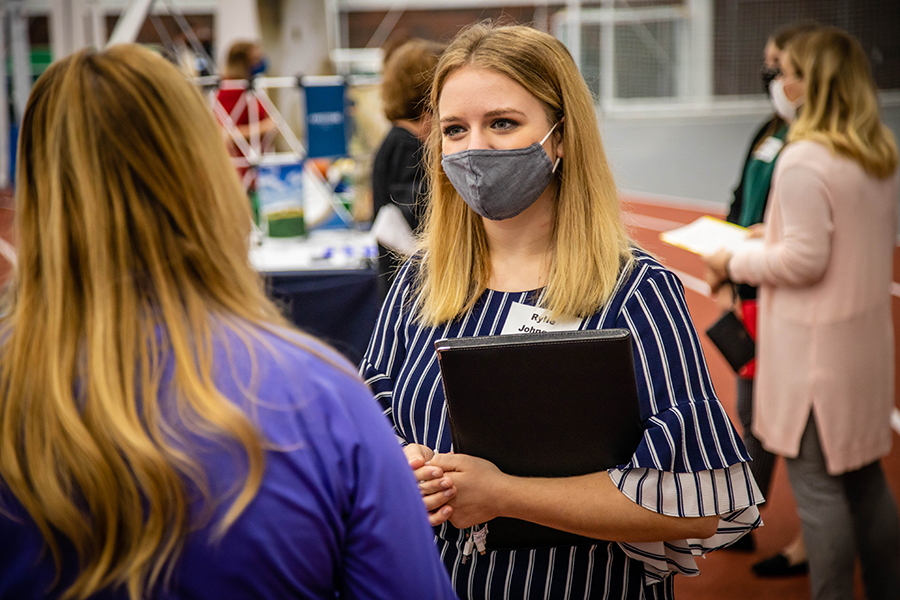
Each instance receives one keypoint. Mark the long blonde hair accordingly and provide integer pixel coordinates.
(132, 233)
(590, 244)
(840, 109)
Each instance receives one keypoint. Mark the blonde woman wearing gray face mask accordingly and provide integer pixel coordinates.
(524, 216)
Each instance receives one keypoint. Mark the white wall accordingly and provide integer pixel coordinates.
(697, 157)
(303, 38)
(235, 20)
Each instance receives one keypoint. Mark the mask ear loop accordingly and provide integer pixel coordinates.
(549, 132)
(556, 164)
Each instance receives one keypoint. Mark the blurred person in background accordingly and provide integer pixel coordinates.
(163, 432)
(523, 211)
(747, 210)
(398, 174)
(825, 365)
(245, 61)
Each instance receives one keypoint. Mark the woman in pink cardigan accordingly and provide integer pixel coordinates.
(825, 371)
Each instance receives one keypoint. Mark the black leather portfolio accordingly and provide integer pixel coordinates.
(733, 340)
(542, 405)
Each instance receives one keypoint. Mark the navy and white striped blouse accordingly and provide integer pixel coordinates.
(690, 462)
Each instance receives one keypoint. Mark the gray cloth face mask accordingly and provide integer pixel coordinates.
(500, 184)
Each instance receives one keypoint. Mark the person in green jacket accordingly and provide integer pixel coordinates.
(747, 210)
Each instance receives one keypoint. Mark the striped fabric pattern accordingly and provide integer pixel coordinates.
(690, 462)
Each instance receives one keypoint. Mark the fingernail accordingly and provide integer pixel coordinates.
(445, 483)
(450, 493)
(447, 510)
(436, 473)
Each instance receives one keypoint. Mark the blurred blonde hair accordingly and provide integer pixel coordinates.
(783, 35)
(840, 109)
(590, 243)
(132, 233)
(406, 79)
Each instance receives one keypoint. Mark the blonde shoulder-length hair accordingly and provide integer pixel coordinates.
(840, 109)
(132, 231)
(590, 243)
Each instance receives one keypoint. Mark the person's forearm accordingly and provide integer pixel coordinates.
(264, 127)
(591, 505)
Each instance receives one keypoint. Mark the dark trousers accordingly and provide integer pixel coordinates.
(763, 461)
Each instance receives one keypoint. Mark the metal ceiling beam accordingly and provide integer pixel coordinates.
(129, 25)
(373, 5)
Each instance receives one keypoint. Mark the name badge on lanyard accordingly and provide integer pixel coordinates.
(531, 319)
(768, 150)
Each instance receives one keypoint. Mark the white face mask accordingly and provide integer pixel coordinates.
(785, 109)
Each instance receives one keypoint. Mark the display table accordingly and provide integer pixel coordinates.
(326, 284)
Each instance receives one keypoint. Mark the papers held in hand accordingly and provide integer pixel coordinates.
(553, 404)
(707, 235)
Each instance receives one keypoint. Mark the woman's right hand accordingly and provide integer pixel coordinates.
(725, 298)
(437, 489)
(717, 269)
(757, 231)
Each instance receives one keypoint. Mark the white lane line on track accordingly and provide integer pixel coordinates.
(677, 202)
(7, 251)
(692, 283)
(651, 223)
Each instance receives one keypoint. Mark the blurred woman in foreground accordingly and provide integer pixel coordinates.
(163, 433)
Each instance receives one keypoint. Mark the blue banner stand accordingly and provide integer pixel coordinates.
(326, 116)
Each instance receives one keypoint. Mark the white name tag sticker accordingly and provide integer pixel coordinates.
(769, 149)
(530, 319)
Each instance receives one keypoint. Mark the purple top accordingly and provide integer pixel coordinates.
(338, 513)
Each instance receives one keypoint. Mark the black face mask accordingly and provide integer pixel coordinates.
(768, 74)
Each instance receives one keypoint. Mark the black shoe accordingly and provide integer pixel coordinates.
(744, 544)
(779, 566)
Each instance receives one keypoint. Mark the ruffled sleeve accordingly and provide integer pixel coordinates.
(691, 461)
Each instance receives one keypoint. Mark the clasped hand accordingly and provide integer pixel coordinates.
(457, 487)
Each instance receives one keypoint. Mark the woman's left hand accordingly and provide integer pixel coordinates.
(480, 488)
(717, 271)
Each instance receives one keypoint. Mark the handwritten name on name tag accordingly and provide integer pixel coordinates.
(530, 319)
